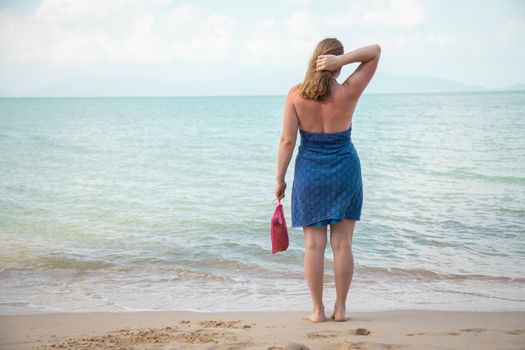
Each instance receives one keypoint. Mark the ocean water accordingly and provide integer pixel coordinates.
(124, 204)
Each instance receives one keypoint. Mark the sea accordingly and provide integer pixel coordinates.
(164, 203)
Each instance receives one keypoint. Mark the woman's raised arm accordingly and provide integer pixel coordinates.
(359, 79)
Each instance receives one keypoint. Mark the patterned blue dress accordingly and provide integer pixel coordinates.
(327, 185)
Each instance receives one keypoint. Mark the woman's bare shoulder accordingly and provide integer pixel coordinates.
(295, 91)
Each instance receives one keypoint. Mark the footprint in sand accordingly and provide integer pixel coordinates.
(328, 334)
(447, 333)
(296, 346)
(412, 334)
(223, 324)
(347, 344)
(198, 336)
(289, 346)
(470, 330)
(240, 345)
(363, 331)
(473, 330)
(322, 335)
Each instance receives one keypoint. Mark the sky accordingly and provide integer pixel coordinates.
(472, 42)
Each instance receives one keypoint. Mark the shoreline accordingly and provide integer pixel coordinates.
(394, 329)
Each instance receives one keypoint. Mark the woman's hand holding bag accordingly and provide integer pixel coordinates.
(278, 229)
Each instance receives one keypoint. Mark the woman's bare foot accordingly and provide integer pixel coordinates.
(317, 316)
(339, 314)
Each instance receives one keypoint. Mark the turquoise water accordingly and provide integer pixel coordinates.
(113, 204)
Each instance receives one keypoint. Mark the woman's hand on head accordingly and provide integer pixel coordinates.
(328, 62)
(280, 187)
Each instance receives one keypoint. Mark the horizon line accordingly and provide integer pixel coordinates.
(272, 95)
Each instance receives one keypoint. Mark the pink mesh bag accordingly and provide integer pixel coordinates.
(278, 229)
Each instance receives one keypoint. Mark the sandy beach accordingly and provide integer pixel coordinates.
(399, 329)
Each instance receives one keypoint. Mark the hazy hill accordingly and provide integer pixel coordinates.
(276, 83)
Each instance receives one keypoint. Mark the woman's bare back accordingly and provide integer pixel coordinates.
(332, 115)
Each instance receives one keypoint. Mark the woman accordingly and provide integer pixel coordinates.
(327, 186)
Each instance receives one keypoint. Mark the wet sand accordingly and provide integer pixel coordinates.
(400, 329)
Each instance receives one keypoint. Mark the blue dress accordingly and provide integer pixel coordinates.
(327, 185)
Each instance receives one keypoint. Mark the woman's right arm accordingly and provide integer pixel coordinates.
(359, 79)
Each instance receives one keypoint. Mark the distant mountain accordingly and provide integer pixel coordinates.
(256, 83)
(391, 83)
(516, 87)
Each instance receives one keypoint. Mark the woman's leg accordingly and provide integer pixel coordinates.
(341, 235)
(315, 244)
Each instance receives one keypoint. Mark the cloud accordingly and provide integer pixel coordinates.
(70, 10)
(383, 13)
(286, 43)
(28, 38)
(398, 13)
(437, 40)
(75, 32)
(171, 40)
(512, 32)
(415, 44)
(296, 2)
(302, 24)
(265, 23)
(290, 42)
(183, 13)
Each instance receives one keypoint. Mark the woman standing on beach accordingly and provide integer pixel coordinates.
(327, 185)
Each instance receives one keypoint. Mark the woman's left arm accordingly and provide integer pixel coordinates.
(286, 144)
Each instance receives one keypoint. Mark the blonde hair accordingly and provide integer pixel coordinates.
(316, 84)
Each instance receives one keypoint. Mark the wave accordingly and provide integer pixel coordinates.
(79, 266)
(222, 268)
(465, 174)
(54, 262)
(477, 294)
(423, 274)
